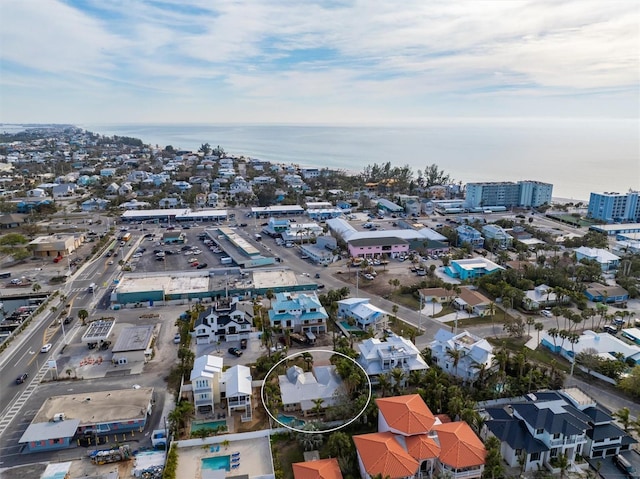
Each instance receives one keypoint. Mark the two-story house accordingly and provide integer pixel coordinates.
(537, 428)
(467, 234)
(381, 357)
(363, 313)
(298, 312)
(497, 234)
(223, 321)
(412, 443)
(464, 355)
(604, 258)
(235, 388)
(205, 382)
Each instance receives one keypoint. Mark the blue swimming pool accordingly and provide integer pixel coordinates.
(290, 421)
(218, 462)
(196, 426)
(348, 327)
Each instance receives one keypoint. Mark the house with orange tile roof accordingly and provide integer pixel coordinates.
(412, 442)
(320, 469)
(382, 453)
(462, 453)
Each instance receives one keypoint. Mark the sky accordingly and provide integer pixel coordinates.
(316, 62)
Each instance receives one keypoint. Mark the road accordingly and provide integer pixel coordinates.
(25, 357)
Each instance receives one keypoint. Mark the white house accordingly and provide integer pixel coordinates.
(223, 321)
(235, 387)
(299, 389)
(604, 258)
(537, 428)
(205, 382)
(363, 313)
(540, 297)
(464, 355)
(381, 357)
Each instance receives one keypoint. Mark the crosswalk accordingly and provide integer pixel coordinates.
(10, 414)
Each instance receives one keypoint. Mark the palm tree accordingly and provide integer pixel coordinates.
(397, 376)
(36, 287)
(310, 440)
(538, 327)
(317, 406)
(83, 314)
(384, 383)
(269, 294)
(308, 360)
(624, 416)
(454, 355)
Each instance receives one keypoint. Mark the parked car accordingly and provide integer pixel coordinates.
(68, 319)
(46, 348)
(546, 313)
(176, 339)
(22, 378)
(243, 344)
(202, 266)
(235, 351)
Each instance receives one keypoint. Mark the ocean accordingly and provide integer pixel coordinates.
(576, 156)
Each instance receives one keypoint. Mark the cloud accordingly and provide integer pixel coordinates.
(349, 58)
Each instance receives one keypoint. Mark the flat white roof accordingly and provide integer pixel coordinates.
(616, 227)
(275, 209)
(160, 213)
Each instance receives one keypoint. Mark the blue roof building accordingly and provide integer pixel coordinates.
(298, 312)
(467, 234)
(471, 268)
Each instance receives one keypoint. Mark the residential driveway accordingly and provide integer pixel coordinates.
(608, 469)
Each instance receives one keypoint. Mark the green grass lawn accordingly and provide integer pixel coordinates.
(540, 355)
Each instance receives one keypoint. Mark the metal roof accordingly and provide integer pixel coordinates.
(43, 431)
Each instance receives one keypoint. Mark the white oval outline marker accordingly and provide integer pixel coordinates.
(300, 354)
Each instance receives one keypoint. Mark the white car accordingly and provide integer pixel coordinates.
(110, 262)
(137, 255)
(546, 313)
(46, 348)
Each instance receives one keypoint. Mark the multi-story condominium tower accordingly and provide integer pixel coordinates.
(615, 207)
(527, 194)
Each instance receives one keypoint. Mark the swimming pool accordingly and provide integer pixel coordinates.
(218, 462)
(348, 327)
(207, 425)
(290, 421)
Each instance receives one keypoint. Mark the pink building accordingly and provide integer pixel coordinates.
(371, 247)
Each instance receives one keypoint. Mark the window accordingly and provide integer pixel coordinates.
(57, 441)
(556, 435)
(539, 431)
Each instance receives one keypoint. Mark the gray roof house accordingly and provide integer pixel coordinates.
(540, 426)
(235, 384)
(299, 389)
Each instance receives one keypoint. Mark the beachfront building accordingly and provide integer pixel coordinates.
(383, 356)
(205, 382)
(604, 258)
(471, 268)
(298, 312)
(306, 392)
(615, 207)
(464, 355)
(412, 442)
(525, 194)
(363, 313)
